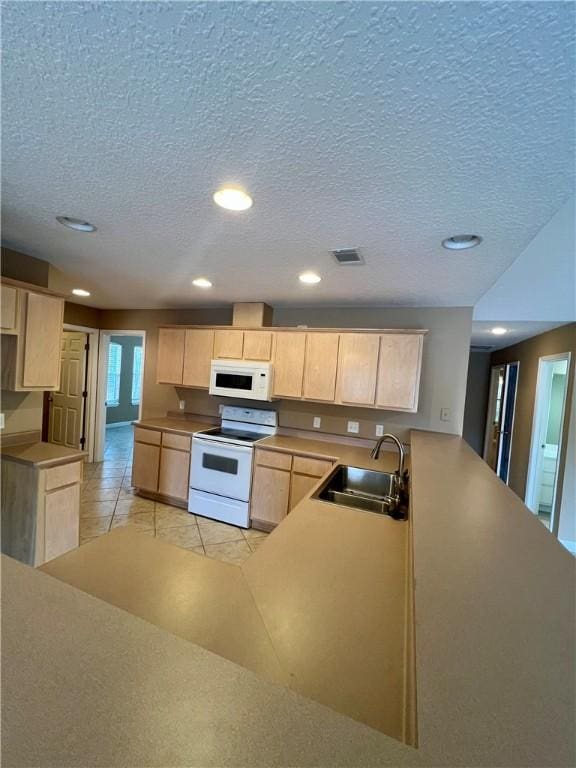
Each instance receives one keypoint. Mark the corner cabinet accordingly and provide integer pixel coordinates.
(368, 368)
(32, 325)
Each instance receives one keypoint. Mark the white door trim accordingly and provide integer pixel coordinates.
(537, 423)
(93, 341)
(100, 431)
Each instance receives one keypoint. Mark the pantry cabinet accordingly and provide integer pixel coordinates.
(161, 465)
(357, 368)
(32, 325)
(280, 481)
(198, 349)
(320, 367)
(289, 352)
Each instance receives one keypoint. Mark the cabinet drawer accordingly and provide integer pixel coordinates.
(312, 467)
(178, 442)
(273, 459)
(150, 436)
(65, 474)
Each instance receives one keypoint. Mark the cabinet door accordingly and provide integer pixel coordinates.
(42, 341)
(198, 349)
(399, 371)
(8, 305)
(320, 366)
(170, 360)
(357, 368)
(300, 486)
(145, 466)
(270, 493)
(228, 344)
(61, 521)
(257, 345)
(174, 472)
(289, 351)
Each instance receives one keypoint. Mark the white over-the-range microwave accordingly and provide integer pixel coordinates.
(241, 379)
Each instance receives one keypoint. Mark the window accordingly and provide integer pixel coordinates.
(114, 369)
(136, 375)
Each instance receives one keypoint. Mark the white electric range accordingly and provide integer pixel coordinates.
(221, 464)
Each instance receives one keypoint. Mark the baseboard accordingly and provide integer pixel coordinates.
(115, 424)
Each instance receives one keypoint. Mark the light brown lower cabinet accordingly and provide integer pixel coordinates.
(280, 481)
(161, 464)
(61, 521)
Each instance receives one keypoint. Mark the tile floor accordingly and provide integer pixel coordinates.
(108, 500)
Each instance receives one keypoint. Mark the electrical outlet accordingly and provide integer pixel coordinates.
(353, 426)
(1, 421)
(317, 423)
(182, 404)
(445, 414)
(379, 430)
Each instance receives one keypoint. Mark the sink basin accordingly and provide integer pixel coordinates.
(362, 489)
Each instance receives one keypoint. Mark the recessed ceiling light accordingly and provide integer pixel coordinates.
(80, 292)
(78, 225)
(499, 331)
(461, 242)
(309, 278)
(233, 198)
(202, 282)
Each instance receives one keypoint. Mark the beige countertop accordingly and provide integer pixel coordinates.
(494, 604)
(180, 426)
(41, 455)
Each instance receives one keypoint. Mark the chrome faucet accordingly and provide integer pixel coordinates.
(393, 439)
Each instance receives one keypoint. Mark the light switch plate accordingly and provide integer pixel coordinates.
(1, 421)
(379, 430)
(445, 414)
(182, 404)
(353, 426)
(317, 423)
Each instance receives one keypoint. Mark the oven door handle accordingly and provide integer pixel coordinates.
(215, 444)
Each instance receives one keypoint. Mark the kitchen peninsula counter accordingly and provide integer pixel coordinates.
(494, 640)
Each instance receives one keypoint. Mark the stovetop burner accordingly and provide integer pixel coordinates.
(234, 434)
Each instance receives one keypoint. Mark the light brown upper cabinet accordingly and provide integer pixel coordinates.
(357, 368)
(198, 349)
(320, 367)
(31, 359)
(399, 371)
(8, 307)
(170, 361)
(228, 344)
(289, 349)
(257, 345)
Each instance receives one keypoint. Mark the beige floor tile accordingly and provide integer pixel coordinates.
(97, 508)
(94, 526)
(103, 482)
(252, 533)
(87, 539)
(187, 536)
(99, 494)
(112, 472)
(255, 543)
(143, 522)
(198, 550)
(230, 552)
(127, 493)
(134, 506)
(213, 532)
(113, 464)
(172, 517)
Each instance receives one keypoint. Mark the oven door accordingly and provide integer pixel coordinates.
(221, 468)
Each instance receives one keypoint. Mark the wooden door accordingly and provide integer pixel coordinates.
(8, 307)
(145, 466)
(270, 494)
(257, 345)
(198, 350)
(66, 414)
(170, 360)
(228, 344)
(320, 366)
(61, 521)
(289, 351)
(399, 371)
(357, 368)
(42, 340)
(174, 473)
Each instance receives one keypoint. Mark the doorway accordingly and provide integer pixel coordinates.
(546, 441)
(500, 421)
(120, 377)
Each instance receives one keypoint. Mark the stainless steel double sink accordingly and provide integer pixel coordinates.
(363, 489)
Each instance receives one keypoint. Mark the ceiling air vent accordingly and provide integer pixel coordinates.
(346, 256)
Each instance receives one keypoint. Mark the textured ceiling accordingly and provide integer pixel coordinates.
(517, 331)
(385, 126)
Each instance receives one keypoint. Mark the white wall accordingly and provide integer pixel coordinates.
(541, 283)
